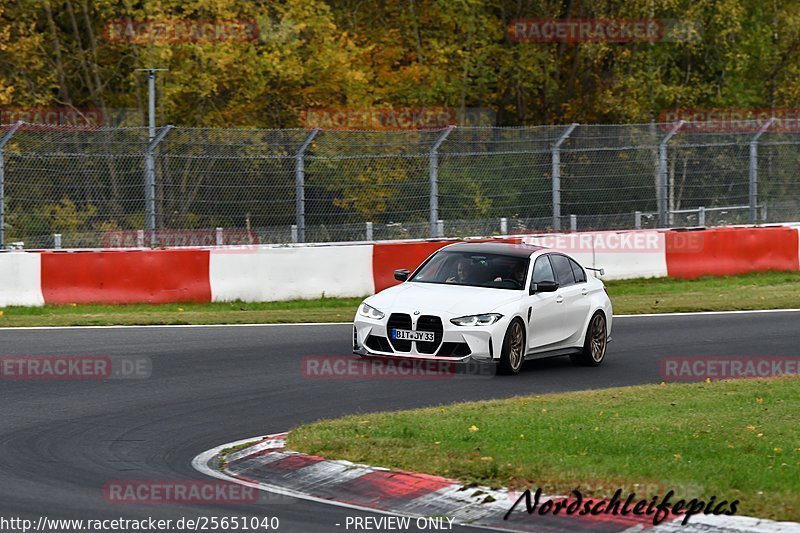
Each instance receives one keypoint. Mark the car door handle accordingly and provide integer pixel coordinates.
(560, 299)
(584, 292)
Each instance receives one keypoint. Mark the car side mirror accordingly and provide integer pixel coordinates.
(544, 286)
(401, 274)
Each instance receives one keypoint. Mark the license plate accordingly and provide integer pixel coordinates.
(410, 335)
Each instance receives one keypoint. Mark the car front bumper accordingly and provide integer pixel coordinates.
(452, 343)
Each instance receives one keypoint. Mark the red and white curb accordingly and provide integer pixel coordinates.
(267, 465)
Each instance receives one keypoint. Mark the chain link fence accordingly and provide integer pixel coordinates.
(87, 188)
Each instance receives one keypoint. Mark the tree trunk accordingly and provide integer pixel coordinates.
(63, 90)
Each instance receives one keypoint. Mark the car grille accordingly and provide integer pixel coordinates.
(403, 321)
(434, 324)
(399, 321)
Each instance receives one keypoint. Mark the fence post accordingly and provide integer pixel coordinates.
(3, 141)
(573, 223)
(503, 226)
(150, 179)
(369, 231)
(555, 171)
(300, 187)
(754, 169)
(637, 219)
(662, 191)
(434, 177)
(701, 216)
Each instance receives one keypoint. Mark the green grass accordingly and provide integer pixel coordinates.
(729, 439)
(767, 290)
(321, 310)
(222, 456)
(232, 449)
(762, 290)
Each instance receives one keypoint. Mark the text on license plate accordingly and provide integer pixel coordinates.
(410, 335)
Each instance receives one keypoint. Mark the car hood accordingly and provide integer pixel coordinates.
(453, 299)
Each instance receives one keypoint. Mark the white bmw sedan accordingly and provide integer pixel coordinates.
(489, 302)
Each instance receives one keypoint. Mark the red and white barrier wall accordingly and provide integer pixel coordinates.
(726, 251)
(290, 272)
(124, 277)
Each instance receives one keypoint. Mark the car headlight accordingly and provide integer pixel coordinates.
(370, 312)
(476, 320)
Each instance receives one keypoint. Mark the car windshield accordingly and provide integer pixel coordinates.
(475, 270)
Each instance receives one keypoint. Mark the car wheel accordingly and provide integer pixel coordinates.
(594, 345)
(513, 352)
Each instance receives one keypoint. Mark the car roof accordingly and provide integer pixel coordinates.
(501, 248)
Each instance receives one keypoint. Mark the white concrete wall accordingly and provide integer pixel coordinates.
(287, 273)
(21, 279)
(623, 254)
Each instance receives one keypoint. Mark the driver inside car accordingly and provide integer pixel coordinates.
(517, 275)
(462, 272)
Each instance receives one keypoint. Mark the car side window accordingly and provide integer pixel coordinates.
(542, 270)
(577, 270)
(563, 270)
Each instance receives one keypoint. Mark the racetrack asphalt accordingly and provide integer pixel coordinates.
(62, 441)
